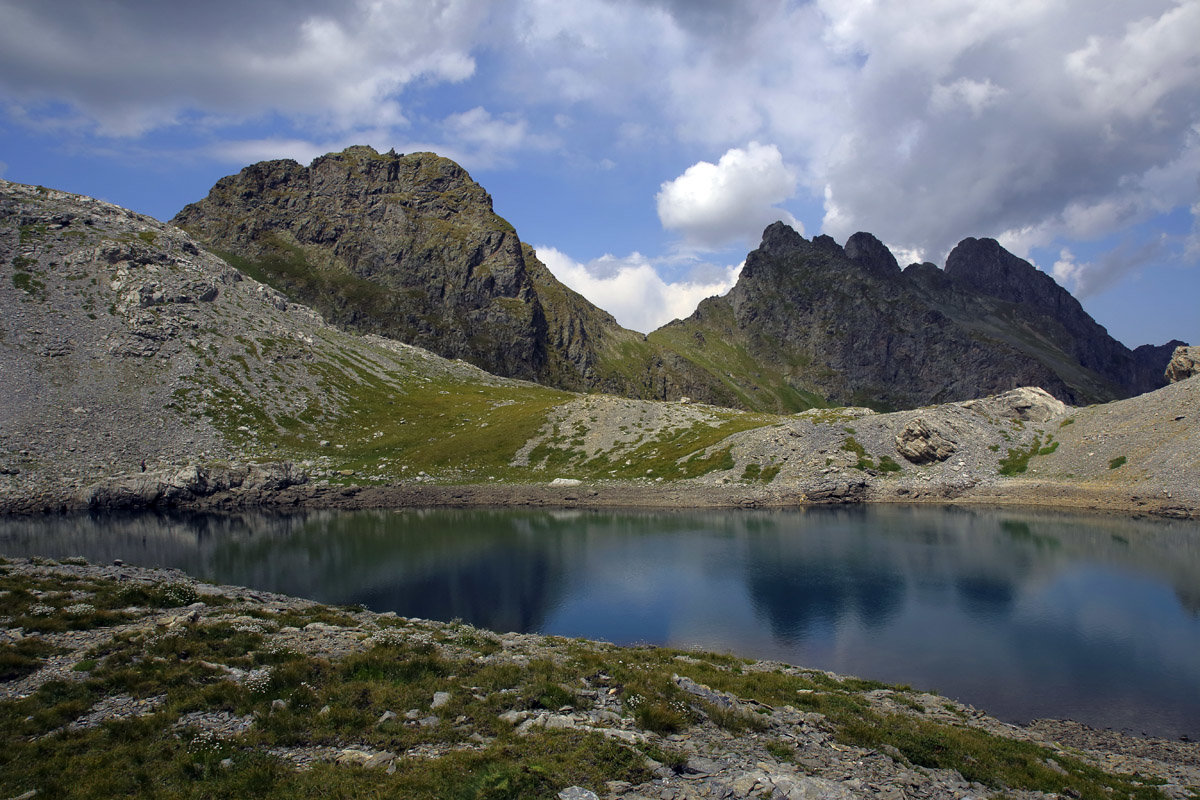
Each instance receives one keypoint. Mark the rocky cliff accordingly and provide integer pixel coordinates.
(847, 324)
(406, 246)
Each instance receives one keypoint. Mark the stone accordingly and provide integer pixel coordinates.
(1184, 364)
(278, 704)
(1028, 403)
(379, 760)
(352, 757)
(440, 699)
(565, 482)
(577, 793)
(386, 716)
(922, 443)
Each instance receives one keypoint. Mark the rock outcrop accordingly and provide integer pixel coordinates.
(247, 484)
(1185, 363)
(922, 443)
(1027, 403)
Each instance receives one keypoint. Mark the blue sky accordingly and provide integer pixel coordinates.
(642, 145)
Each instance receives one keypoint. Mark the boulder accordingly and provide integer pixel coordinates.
(1185, 362)
(1028, 403)
(920, 442)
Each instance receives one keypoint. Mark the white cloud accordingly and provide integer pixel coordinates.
(248, 151)
(491, 138)
(714, 204)
(133, 67)
(1039, 122)
(631, 289)
(1086, 279)
(1027, 121)
(1065, 269)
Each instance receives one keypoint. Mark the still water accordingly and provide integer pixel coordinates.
(1025, 615)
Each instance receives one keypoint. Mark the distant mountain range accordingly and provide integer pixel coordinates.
(408, 246)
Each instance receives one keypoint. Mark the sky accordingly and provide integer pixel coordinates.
(643, 145)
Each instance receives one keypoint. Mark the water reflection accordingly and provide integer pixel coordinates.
(1026, 615)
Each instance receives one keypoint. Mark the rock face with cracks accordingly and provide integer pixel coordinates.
(1185, 363)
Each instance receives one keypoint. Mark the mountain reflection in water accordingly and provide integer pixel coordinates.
(1026, 615)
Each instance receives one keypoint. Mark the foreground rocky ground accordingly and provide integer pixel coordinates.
(117, 680)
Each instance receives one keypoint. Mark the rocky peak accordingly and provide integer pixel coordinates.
(927, 275)
(779, 238)
(828, 243)
(987, 268)
(863, 248)
(403, 245)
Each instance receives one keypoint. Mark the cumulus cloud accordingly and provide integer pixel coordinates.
(1039, 123)
(1020, 119)
(632, 290)
(1027, 121)
(712, 205)
(1086, 279)
(134, 66)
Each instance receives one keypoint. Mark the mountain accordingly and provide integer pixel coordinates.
(847, 324)
(406, 246)
(409, 247)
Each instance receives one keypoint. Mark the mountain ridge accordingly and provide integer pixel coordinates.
(409, 246)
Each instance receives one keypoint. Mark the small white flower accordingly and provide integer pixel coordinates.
(258, 680)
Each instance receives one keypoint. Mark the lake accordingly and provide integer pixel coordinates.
(1025, 615)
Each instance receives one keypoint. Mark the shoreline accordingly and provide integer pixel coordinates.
(260, 487)
(734, 742)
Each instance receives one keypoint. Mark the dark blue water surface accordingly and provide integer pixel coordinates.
(1026, 615)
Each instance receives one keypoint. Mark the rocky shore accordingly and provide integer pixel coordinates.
(211, 689)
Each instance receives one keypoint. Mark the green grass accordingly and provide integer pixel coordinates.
(994, 761)
(1117, 462)
(1017, 460)
(888, 464)
(396, 671)
(851, 445)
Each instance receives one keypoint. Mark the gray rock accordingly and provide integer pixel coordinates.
(577, 793)
(922, 443)
(1185, 362)
(1028, 403)
(440, 699)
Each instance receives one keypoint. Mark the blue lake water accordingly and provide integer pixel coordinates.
(1026, 615)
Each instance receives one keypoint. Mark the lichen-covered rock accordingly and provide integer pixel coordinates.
(921, 443)
(1185, 362)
